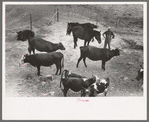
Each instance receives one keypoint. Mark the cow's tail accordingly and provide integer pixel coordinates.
(62, 63)
(62, 77)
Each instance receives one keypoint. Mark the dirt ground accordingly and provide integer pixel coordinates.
(22, 81)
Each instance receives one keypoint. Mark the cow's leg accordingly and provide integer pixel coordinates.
(38, 68)
(65, 91)
(75, 41)
(83, 92)
(33, 50)
(79, 61)
(84, 60)
(88, 43)
(103, 65)
(60, 70)
(85, 42)
(105, 92)
(29, 50)
(57, 68)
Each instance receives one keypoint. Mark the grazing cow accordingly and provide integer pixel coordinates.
(140, 74)
(43, 45)
(68, 74)
(76, 84)
(100, 86)
(23, 35)
(94, 53)
(45, 59)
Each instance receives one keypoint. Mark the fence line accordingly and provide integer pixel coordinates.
(30, 21)
(56, 14)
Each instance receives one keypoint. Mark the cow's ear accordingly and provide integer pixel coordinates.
(26, 55)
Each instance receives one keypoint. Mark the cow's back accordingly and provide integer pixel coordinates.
(28, 33)
(46, 59)
(95, 53)
(76, 84)
(41, 44)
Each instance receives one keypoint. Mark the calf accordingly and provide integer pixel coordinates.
(76, 84)
(45, 59)
(94, 53)
(23, 35)
(68, 74)
(100, 86)
(43, 45)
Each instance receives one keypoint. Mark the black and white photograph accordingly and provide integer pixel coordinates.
(87, 55)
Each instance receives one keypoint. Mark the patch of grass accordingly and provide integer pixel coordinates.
(132, 44)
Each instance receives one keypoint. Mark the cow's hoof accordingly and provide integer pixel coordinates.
(103, 69)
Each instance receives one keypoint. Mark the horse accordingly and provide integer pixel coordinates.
(84, 34)
(84, 25)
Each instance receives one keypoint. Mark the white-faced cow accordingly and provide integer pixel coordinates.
(95, 54)
(100, 86)
(45, 59)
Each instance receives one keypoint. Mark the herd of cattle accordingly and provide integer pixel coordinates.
(88, 86)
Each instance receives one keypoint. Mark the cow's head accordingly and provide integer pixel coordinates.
(117, 52)
(61, 46)
(69, 28)
(140, 73)
(98, 36)
(24, 58)
(20, 36)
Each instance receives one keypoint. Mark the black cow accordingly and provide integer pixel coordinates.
(43, 45)
(23, 35)
(76, 84)
(45, 59)
(94, 53)
(68, 74)
(38, 43)
(100, 86)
